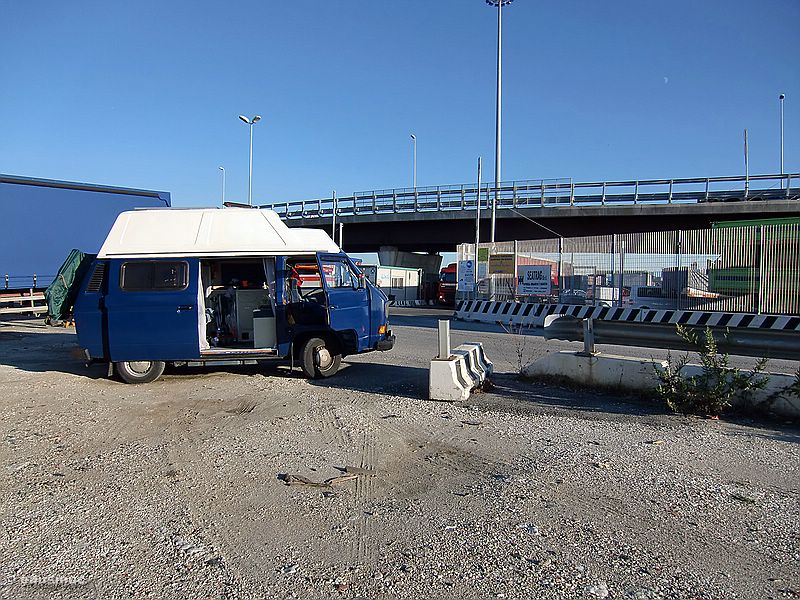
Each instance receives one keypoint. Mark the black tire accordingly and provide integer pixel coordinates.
(319, 361)
(141, 371)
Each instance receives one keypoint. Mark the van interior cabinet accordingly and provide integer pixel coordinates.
(247, 301)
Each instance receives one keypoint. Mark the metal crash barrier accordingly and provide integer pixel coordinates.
(759, 343)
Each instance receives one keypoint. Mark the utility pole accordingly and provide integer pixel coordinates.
(477, 225)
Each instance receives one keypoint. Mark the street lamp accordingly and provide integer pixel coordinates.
(223, 183)
(250, 122)
(499, 4)
(414, 138)
(781, 98)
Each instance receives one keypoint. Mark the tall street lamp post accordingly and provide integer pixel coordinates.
(250, 122)
(499, 4)
(414, 139)
(781, 98)
(223, 183)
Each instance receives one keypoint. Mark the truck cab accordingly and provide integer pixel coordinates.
(446, 288)
(304, 302)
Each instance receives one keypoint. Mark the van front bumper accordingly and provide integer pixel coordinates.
(387, 343)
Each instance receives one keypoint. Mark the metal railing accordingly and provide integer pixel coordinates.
(24, 282)
(547, 193)
(754, 269)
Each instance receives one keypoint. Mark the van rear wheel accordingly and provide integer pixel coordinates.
(139, 371)
(319, 360)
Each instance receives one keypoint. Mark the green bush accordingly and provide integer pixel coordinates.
(716, 388)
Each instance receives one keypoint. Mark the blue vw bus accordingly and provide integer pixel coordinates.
(224, 286)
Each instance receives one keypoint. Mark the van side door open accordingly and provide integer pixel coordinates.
(348, 300)
(152, 312)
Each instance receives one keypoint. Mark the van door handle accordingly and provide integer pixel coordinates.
(184, 307)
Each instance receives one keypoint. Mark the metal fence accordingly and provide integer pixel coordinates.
(731, 268)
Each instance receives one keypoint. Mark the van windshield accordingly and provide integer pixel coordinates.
(448, 278)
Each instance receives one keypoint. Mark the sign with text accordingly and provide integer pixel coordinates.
(533, 280)
(466, 275)
(501, 264)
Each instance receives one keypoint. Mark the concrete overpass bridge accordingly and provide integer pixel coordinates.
(436, 219)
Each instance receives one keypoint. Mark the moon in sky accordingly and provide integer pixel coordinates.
(666, 80)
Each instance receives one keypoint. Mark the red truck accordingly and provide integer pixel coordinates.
(446, 289)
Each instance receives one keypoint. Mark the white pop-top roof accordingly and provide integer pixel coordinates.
(209, 232)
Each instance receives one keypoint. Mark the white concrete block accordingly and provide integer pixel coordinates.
(483, 362)
(449, 380)
(785, 405)
(471, 370)
(600, 370)
(606, 370)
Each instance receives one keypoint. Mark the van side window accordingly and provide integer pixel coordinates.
(142, 276)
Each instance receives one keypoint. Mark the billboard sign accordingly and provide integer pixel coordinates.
(533, 280)
(466, 275)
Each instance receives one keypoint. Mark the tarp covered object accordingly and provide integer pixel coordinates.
(61, 294)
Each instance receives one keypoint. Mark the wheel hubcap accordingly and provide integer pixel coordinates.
(140, 367)
(324, 358)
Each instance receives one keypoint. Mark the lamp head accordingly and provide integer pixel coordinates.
(245, 119)
(413, 137)
(498, 2)
(782, 96)
(256, 119)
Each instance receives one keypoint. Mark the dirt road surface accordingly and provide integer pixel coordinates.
(178, 489)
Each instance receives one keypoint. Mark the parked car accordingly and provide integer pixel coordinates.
(649, 296)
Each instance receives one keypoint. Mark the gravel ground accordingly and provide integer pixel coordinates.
(175, 489)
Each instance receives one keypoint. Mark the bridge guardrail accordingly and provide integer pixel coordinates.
(548, 193)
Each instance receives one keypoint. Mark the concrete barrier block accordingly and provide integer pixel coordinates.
(448, 380)
(598, 370)
(470, 367)
(767, 399)
(483, 361)
(639, 374)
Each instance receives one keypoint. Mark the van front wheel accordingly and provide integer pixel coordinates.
(319, 359)
(139, 371)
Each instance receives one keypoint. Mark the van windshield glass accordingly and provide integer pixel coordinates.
(448, 278)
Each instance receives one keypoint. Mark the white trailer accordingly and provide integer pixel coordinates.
(398, 283)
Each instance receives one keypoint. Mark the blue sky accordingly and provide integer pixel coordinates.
(146, 94)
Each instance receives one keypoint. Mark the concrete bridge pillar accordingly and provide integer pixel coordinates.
(429, 263)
